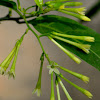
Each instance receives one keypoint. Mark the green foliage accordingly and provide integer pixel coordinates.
(69, 35)
(8, 3)
(68, 26)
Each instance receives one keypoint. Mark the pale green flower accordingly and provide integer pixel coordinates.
(54, 69)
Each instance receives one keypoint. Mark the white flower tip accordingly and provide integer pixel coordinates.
(37, 91)
(85, 79)
(11, 74)
(87, 93)
(81, 10)
(86, 48)
(56, 71)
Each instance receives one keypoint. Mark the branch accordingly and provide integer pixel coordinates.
(17, 19)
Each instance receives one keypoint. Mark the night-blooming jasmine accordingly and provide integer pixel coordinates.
(11, 73)
(82, 17)
(87, 93)
(84, 47)
(53, 69)
(80, 76)
(5, 64)
(77, 60)
(13, 54)
(76, 10)
(37, 89)
(83, 38)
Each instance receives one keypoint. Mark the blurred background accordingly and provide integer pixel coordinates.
(28, 63)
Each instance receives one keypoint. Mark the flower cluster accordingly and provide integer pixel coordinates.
(63, 6)
(12, 56)
(74, 41)
(58, 81)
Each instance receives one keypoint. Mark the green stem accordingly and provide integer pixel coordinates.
(52, 97)
(57, 88)
(30, 7)
(23, 16)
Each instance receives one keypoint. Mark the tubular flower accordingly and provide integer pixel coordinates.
(13, 54)
(82, 17)
(80, 76)
(59, 5)
(83, 38)
(11, 73)
(77, 60)
(37, 90)
(84, 47)
(5, 64)
(87, 93)
(75, 10)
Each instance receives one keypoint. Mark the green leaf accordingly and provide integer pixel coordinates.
(50, 23)
(8, 3)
